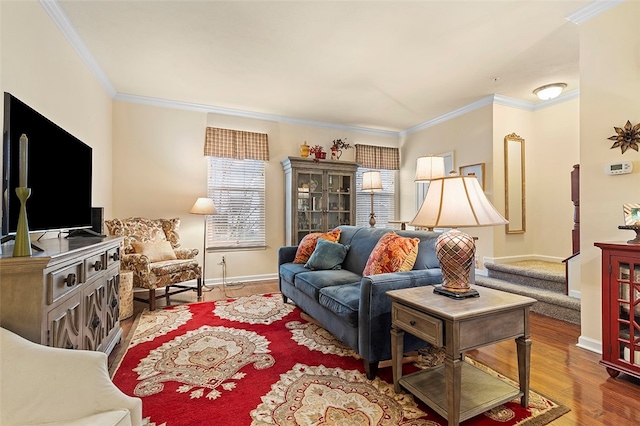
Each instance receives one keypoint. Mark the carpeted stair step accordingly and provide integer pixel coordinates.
(549, 303)
(542, 279)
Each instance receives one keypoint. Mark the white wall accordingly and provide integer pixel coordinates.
(40, 68)
(609, 89)
(469, 136)
(160, 170)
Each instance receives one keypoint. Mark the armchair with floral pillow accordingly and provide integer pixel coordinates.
(151, 250)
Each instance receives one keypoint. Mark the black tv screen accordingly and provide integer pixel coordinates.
(59, 172)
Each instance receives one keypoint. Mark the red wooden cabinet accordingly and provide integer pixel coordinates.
(620, 308)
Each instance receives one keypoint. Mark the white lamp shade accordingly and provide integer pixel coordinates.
(549, 91)
(371, 181)
(429, 167)
(456, 202)
(203, 206)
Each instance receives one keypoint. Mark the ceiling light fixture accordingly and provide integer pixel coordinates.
(549, 91)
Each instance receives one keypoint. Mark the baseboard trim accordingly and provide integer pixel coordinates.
(589, 344)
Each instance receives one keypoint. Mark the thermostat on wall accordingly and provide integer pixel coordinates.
(620, 168)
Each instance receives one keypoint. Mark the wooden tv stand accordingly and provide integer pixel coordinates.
(64, 296)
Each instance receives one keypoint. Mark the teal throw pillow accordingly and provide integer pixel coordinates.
(327, 255)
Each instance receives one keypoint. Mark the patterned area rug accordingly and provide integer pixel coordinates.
(255, 361)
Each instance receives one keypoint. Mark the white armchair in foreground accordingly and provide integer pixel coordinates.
(44, 385)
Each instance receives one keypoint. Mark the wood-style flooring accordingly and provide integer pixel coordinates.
(559, 369)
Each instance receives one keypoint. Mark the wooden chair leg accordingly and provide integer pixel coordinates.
(152, 299)
(199, 289)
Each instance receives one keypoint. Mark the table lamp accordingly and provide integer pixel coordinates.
(429, 167)
(204, 206)
(452, 202)
(372, 181)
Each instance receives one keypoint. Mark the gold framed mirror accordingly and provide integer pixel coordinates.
(514, 185)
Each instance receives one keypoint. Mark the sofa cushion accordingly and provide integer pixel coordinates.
(311, 282)
(308, 244)
(156, 252)
(342, 300)
(288, 271)
(392, 253)
(327, 255)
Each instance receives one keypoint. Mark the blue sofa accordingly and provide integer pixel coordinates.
(354, 308)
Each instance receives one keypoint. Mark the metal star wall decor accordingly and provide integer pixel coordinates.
(626, 137)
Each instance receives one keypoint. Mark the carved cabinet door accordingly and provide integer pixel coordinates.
(64, 324)
(93, 298)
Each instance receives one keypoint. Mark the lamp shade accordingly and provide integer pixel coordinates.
(456, 201)
(549, 91)
(203, 206)
(429, 167)
(371, 181)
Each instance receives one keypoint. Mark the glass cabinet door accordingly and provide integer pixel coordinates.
(628, 312)
(310, 203)
(339, 200)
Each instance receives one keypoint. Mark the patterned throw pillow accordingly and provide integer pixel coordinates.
(393, 253)
(308, 244)
(327, 255)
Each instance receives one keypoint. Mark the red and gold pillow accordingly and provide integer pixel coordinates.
(393, 253)
(308, 244)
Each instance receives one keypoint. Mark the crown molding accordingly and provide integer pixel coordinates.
(59, 17)
(569, 96)
(487, 100)
(591, 10)
(247, 114)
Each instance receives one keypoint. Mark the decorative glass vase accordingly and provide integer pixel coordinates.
(304, 150)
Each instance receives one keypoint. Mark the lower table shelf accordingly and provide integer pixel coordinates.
(480, 390)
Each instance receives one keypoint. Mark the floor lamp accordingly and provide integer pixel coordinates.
(452, 202)
(372, 181)
(204, 206)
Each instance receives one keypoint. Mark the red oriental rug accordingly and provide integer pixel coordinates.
(255, 361)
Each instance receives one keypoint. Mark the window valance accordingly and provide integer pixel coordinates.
(378, 157)
(238, 144)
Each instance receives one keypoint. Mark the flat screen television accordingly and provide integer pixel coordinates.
(59, 172)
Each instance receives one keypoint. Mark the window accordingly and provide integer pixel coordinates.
(237, 188)
(383, 201)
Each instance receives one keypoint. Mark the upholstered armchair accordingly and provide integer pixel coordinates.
(41, 385)
(151, 250)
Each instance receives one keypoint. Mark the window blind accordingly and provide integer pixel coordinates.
(383, 201)
(237, 188)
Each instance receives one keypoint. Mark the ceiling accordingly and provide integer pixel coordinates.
(386, 65)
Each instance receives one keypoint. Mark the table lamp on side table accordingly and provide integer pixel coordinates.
(452, 202)
(204, 206)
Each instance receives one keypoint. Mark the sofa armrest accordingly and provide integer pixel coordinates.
(286, 254)
(374, 315)
(41, 384)
(135, 262)
(186, 253)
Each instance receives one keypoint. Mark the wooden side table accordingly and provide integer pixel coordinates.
(458, 390)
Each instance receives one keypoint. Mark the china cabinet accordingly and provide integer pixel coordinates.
(620, 308)
(318, 196)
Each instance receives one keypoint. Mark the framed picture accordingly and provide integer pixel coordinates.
(476, 170)
(631, 214)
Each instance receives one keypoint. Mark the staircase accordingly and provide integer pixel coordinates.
(544, 281)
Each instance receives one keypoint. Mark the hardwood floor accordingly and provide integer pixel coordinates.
(559, 369)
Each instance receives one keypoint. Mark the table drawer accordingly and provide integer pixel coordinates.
(63, 281)
(93, 265)
(113, 256)
(417, 323)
